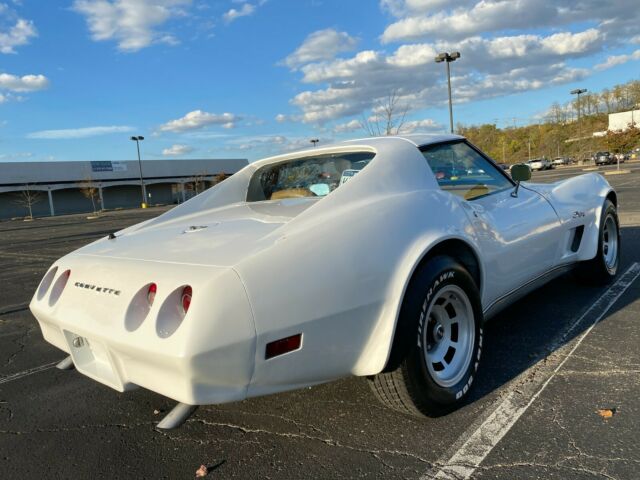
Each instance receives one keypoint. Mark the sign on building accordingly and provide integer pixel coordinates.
(108, 166)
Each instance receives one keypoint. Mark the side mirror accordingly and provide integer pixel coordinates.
(520, 172)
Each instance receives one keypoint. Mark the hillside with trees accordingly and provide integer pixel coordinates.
(559, 133)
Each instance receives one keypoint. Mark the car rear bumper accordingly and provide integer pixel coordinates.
(192, 380)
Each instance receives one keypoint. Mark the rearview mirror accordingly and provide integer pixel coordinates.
(520, 172)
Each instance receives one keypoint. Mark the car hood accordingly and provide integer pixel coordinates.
(217, 237)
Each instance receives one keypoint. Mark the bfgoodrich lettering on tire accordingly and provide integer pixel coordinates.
(437, 344)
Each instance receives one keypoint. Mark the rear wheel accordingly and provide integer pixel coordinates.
(603, 268)
(437, 344)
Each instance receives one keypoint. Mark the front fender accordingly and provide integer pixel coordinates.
(578, 201)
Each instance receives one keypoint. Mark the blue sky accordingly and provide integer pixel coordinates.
(232, 78)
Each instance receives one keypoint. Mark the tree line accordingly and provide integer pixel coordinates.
(559, 133)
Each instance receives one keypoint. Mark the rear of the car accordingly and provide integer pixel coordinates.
(184, 331)
(602, 158)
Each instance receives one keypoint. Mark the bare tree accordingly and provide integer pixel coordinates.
(90, 190)
(200, 182)
(219, 178)
(198, 185)
(607, 98)
(28, 198)
(388, 117)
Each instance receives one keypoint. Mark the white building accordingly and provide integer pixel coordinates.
(56, 188)
(623, 120)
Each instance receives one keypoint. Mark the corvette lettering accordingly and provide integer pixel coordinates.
(95, 288)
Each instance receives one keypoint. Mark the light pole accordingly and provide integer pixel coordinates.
(314, 141)
(578, 92)
(448, 58)
(138, 139)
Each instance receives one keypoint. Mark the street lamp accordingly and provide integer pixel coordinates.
(578, 92)
(314, 141)
(448, 58)
(138, 139)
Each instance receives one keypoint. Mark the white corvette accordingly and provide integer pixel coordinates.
(379, 257)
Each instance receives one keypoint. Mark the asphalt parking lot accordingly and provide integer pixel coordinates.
(550, 363)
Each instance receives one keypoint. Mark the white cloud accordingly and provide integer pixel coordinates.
(233, 14)
(419, 19)
(84, 132)
(281, 118)
(567, 43)
(350, 126)
(26, 83)
(353, 85)
(615, 60)
(420, 125)
(17, 35)
(321, 45)
(177, 150)
(132, 23)
(198, 119)
(507, 46)
(274, 143)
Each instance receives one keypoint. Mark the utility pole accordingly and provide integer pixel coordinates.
(448, 58)
(138, 139)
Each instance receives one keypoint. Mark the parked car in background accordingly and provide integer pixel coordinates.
(561, 161)
(603, 158)
(621, 157)
(505, 166)
(540, 164)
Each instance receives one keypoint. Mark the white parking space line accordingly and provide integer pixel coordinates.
(26, 373)
(481, 440)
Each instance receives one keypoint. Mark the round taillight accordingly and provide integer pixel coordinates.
(185, 299)
(58, 287)
(151, 293)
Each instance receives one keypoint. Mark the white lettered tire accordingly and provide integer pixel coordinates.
(437, 344)
(603, 268)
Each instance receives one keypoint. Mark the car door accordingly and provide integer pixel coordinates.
(519, 236)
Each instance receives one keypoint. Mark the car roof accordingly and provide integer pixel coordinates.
(418, 139)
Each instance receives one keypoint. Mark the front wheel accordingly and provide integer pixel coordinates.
(437, 344)
(603, 268)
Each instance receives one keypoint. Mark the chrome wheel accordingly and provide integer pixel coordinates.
(448, 335)
(610, 242)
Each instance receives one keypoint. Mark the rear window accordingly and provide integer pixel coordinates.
(313, 176)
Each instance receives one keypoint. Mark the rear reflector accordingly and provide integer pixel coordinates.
(282, 346)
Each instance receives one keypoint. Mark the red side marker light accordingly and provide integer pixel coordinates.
(185, 299)
(151, 293)
(282, 346)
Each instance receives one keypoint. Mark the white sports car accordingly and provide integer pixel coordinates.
(379, 258)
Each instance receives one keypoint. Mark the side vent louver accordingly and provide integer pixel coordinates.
(577, 238)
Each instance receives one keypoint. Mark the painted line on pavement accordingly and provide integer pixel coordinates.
(26, 373)
(481, 440)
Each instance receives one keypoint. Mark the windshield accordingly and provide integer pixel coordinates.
(315, 176)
